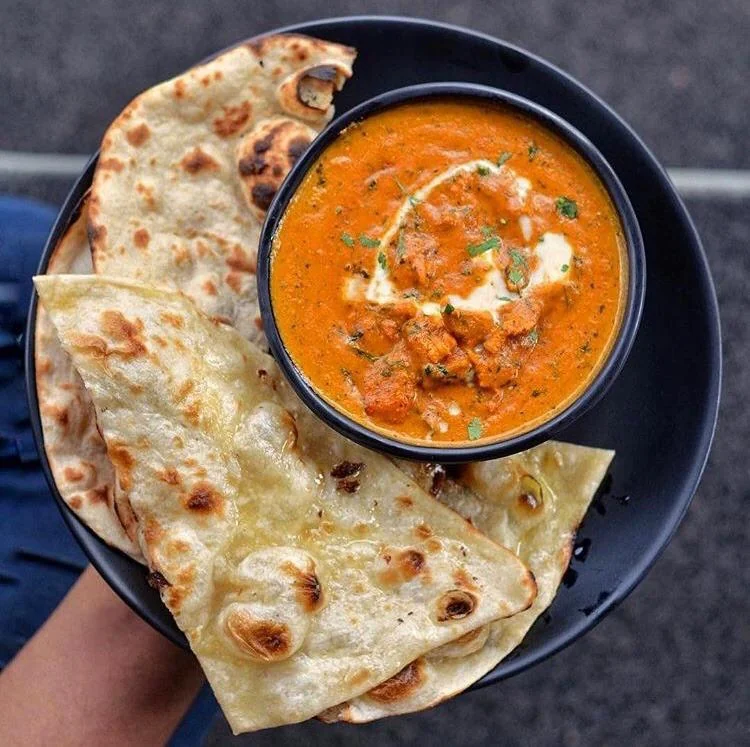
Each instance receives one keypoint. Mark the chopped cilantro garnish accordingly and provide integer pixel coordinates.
(515, 276)
(504, 157)
(413, 201)
(533, 150)
(347, 239)
(518, 258)
(410, 294)
(354, 336)
(567, 207)
(449, 308)
(364, 353)
(475, 250)
(400, 247)
(533, 337)
(504, 298)
(483, 170)
(403, 189)
(474, 429)
(486, 231)
(339, 210)
(382, 261)
(564, 268)
(368, 242)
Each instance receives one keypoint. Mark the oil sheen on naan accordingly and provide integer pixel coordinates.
(531, 503)
(75, 449)
(300, 579)
(188, 169)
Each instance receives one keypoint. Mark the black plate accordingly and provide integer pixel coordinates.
(659, 415)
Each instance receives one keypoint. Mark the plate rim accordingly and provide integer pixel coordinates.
(96, 549)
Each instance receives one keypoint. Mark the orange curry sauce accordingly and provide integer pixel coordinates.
(422, 301)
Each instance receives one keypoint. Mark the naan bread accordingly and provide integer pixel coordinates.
(188, 169)
(300, 580)
(531, 503)
(75, 449)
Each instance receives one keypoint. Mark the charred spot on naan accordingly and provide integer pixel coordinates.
(399, 566)
(197, 161)
(122, 330)
(239, 261)
(347, 475)
(308, 93)
(156, 580)
(455, 605)
(402, 685)
(100, 494)
(138, 135)
(141, 237)
(169, 475)
(176, 594)
(404, 502)
(265, 156)
(262, 640)
(204, 499)
(123, 462)
(111, 164)
(125, 514)
(233, 119)
(308, 589)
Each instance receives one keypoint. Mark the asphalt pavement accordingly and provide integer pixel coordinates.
(670, 665)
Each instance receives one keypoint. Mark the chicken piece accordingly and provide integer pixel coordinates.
(388, 389)
(389, 329)
(492, 371)
(457, 364)
(520, 317)
(415, 258)
(496, 340)
(398, 311)
(469, 327)
(428, 339)
(455, 367)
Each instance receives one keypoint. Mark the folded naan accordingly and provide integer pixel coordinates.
(75, 449)
(531, 503)
(188, 169)
(300, 579)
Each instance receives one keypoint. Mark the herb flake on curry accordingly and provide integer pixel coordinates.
(457, 273)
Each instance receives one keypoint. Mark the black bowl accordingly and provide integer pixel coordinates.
(486, 449)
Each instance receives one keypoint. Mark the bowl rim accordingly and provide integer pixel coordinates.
(489, 449)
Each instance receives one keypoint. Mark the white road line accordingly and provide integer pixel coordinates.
(15, 163)
(727, 183)
(711, 182)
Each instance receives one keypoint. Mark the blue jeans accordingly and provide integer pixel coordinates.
(39, 559)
